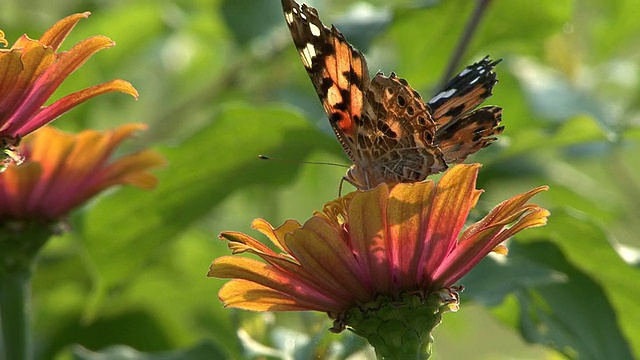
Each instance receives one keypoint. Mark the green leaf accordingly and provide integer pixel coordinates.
(575, 317)
(596, 311)
(492, 280)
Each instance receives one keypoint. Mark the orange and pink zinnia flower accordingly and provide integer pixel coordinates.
(65, 170)
(405, 238)
(31, 70)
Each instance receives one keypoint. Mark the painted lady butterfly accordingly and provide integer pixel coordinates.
(384, 126)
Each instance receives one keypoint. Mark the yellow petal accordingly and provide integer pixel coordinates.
(367, 216)
(267, 276)
(276, 235)
(501, 250)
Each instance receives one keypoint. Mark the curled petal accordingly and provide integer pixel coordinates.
(3, 41)
(483, 236)
(239, 243)
(276, 235)
(58, 32)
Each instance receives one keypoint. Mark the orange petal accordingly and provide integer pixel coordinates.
(58, 32)
(49, 147)
(247, 295)
(92, 149)
(26, 64)
(54, 75)
(454, 196)
(133, 170)
(10, 69)
(70, 101)
(535, 218)
(407, 209)
(503, 211)
(269, 277)
(16, 186)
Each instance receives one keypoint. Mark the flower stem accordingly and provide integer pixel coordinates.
(465, 40)
(15, 289)
(20, 243)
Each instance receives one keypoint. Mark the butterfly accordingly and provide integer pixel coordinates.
(390, 134)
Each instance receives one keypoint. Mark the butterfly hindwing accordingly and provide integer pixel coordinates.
(469, 133)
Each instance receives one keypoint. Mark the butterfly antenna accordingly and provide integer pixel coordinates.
(265, 157)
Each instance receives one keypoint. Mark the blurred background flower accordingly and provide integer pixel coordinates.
(64, 170)
(31, 70)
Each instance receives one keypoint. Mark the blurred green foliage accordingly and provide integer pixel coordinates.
(220, 83)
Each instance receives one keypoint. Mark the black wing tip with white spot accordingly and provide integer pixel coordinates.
(478, 74)
(481, 70)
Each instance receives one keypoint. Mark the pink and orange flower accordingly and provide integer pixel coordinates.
(373, 247)
(65, 170)
(31, 70)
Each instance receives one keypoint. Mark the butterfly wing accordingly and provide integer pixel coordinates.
(383, 125)
(463, 131)
(337, 70)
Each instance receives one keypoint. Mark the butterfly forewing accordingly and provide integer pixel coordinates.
(337, 70)
(464, 92)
